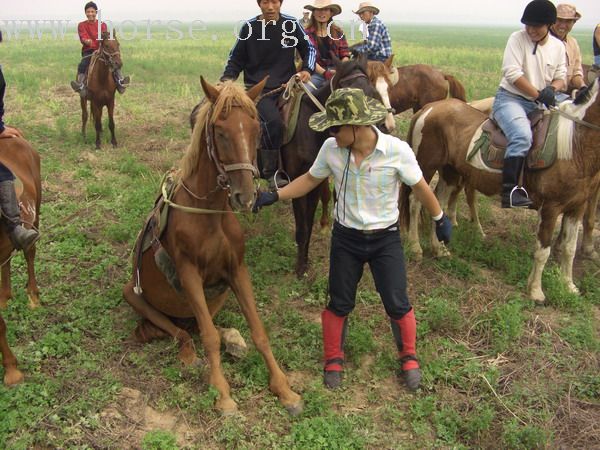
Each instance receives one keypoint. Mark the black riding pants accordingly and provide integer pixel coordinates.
(382, 250)
(271, 123)
(85, 61)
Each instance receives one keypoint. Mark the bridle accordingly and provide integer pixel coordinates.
(107, 57)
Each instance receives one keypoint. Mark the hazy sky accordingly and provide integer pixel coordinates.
(487, 12)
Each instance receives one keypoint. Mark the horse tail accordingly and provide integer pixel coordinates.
(455, 88)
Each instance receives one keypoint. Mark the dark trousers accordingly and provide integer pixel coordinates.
(271, 123)
(85, 61)
(5, 174)
(382, 250)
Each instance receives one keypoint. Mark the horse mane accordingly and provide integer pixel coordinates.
(376, 69)
(231, 95)
(347, 67)
(566, 126)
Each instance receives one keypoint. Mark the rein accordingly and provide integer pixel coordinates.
(577, 120)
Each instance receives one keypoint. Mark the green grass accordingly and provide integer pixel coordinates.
(474, 325)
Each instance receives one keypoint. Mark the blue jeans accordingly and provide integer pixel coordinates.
(382, 250)
(510, 112)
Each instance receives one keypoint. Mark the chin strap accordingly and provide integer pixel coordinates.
(537, 42)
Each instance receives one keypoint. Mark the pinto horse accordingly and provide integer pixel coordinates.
(24, 162)
(441, 134)
(206, 242)
(101, 86)
(300, 153)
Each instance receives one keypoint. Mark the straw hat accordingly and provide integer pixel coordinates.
(366, 6)
(567, 12)
(325, 4)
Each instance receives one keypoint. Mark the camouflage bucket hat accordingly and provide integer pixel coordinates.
(348, 106)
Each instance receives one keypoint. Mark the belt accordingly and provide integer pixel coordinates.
(393, 227)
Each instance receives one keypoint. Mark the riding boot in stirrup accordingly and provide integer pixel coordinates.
(79, 85)
(20, 237)
(121, 81)
(405, 335)
(513, 195)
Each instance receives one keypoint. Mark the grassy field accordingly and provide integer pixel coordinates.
(498, 371)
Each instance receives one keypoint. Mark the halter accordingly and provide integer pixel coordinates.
(107, 57)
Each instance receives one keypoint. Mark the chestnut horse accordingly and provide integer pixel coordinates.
(12, 375)
(101, 86)
(206, 242)
(441, 134)
(24, 162)
(300, 153)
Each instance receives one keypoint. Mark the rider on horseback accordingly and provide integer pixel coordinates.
(533, 69)
(88, 35)
(377, 44)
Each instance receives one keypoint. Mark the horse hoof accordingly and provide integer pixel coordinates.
(296, 409)
(538, 297)
(3, 303)
(227, 407)
(34, 301)
(13, 377)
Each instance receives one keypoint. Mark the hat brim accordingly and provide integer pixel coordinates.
(335, 9)
(576, 18)
(319, 121)
(367, 8)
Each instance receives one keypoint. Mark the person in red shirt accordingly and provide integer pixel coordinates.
(88, 35)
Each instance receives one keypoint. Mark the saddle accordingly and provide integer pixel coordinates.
(149, 237)
(490, 143)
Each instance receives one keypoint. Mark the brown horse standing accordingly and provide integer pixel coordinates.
(101, 86)
(24, 162)
(207, 249)
(441, 135)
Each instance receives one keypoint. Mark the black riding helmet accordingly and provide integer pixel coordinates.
(539, 12)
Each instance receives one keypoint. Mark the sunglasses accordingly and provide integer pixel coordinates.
(334, 129)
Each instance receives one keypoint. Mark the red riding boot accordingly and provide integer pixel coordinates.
(405, 335)
(334, 334)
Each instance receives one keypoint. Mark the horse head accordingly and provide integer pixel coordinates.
(110, 50)
(232, 133)
(383, 75)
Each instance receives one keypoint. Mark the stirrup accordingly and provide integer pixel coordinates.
(284, 175)
(519, 188)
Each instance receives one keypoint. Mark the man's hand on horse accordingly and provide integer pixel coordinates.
(10, 132)
(443, 229)
(304, 76)
(264, 199)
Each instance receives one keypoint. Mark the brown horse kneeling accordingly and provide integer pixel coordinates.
(24, 162)
(206, 243)
(441, 135)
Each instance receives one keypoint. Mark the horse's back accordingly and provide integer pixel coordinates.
(24, 161)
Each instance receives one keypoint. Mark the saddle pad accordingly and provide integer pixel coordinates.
(483, 155)
(290, 112)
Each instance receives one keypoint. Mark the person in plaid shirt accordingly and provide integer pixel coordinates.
(377, 44)
(328, 40)
(367, 167)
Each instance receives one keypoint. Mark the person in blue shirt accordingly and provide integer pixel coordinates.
(377, 44)
(21, 237)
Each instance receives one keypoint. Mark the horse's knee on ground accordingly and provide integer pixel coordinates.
(234, 343)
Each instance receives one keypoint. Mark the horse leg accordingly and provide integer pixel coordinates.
(278, 382)
(443, 192)
(5, 286)
(12, 375)
(144, 333)
(230, 337)
(97, 115)
(452, 208)
(111, 122)
(325, 200)
(589, 221)
(33, 292)
(570, 228)
(413, 244)
(548, 215)
(304, 214)
(471, 195)
(84, 117)
(194, 291)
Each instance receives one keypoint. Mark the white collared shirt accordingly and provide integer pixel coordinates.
(368, 198)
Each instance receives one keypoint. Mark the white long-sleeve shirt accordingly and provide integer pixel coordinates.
(548, 63)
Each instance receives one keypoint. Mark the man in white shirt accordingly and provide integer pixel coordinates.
(368, 167)
(533, 69)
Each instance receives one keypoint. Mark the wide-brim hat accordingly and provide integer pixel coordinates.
(366, 6)
(348, 106)
(566, 11)
(325, 4)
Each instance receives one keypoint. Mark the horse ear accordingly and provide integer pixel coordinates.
(388, 62)
(210, 91)
(255, 90)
